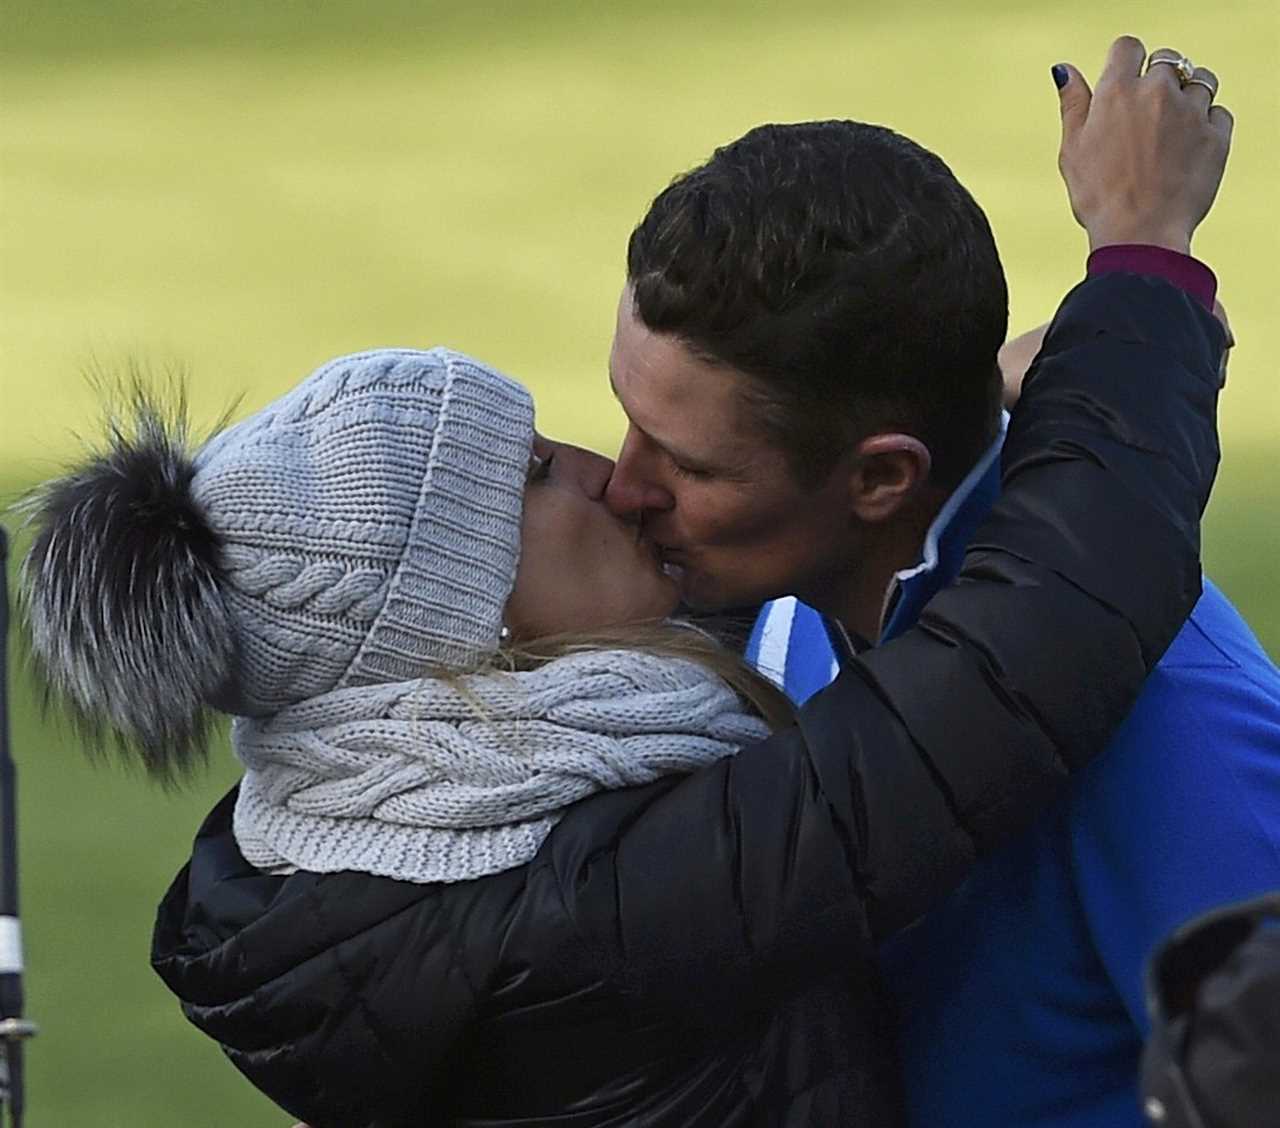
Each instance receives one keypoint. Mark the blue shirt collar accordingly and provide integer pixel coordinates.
(945, 542)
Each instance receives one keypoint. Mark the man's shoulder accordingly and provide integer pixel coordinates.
(1214, 650)
(1204, 734)
(1216, 635)
(1182, 810)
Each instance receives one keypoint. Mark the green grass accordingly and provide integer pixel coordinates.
(248, 189)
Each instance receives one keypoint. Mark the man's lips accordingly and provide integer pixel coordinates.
(655, 550)
(672, 560)
(668, 559)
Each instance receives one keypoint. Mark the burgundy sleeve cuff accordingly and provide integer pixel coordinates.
(1185, 272)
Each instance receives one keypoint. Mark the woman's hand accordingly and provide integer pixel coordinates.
(1143, 154)
(1015, 357)
(1017, 353)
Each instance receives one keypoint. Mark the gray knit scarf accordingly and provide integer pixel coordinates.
(436, 780)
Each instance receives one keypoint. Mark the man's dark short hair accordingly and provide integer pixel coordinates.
(847, 270)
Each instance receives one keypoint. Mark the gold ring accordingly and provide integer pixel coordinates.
(1180, 63)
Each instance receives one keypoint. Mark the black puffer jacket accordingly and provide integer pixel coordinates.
(698, 951)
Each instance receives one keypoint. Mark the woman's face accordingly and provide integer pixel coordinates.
(581, 568)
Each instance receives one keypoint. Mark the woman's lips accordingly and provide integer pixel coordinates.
(662, 557)
(655, 551)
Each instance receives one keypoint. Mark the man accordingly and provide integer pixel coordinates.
(806, 352)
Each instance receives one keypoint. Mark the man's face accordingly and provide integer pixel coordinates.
(713, 493)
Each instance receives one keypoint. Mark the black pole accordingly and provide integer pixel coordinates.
(14, 1030)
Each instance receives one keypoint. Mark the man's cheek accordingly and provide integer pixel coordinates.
(737, 525)
(716, 520)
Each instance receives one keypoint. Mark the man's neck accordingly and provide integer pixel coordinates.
(859, 602)
(858, 599)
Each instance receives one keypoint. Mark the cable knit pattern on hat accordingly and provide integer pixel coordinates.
(438, 780)
(369, 523)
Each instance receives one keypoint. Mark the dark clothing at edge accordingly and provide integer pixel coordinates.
(701, 951)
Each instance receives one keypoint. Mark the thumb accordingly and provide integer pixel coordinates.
(1074, 97)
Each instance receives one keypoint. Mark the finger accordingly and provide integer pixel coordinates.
(1124, 60)
(1220, 312)
(1201, 87)
(1162, 66)
(1222, 121)
(1074, 99)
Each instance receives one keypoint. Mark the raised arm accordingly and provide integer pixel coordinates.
(782, 864)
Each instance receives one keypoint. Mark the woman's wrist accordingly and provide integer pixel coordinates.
(1176, 267)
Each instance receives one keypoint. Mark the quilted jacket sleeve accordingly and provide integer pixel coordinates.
(780, 866)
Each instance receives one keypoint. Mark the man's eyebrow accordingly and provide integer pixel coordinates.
(679, 456)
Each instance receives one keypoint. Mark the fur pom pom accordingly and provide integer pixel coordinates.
(121, 593)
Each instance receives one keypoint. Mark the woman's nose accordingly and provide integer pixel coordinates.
(588, 470)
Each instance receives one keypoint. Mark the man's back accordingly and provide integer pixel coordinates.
(1020, 997)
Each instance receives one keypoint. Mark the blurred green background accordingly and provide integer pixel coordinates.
(247, 188)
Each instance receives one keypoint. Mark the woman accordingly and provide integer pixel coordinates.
(379, 926)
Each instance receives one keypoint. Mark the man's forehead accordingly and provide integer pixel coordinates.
(677, 398)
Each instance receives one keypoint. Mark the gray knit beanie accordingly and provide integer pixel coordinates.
(370, 523)
(363, 528)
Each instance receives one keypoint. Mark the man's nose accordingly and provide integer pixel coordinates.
(633, 489)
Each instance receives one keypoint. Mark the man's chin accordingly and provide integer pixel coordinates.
(695, 592)
(704, 594)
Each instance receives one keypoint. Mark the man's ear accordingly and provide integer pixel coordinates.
(888, 471)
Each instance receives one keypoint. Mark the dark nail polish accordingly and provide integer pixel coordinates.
(1060, 75)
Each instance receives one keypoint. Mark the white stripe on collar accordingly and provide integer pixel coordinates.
(775, 638)
(929, 553)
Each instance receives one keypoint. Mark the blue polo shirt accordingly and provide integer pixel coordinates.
(1020, 997)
